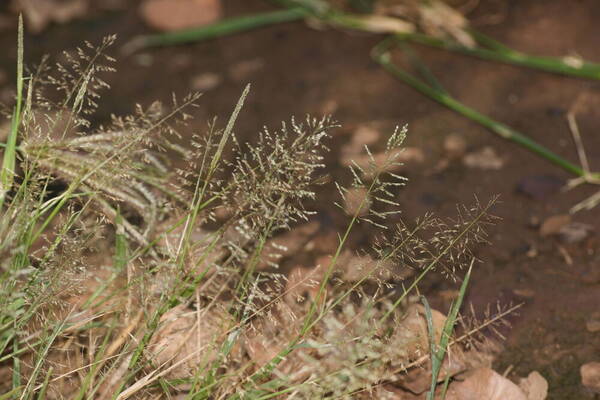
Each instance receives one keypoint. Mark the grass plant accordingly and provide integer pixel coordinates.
(123, 277)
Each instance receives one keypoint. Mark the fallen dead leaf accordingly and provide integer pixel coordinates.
(552, 225)
(190, 338)
(413, 332)
(534, 386)
(199, 259)
(485, 383)
(268, 337)
(40, 13)
(357, 201)
(173, 15)
(303, 283)
(575, 232)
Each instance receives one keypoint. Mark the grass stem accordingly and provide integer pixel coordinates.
(225, 27)
(382, 56)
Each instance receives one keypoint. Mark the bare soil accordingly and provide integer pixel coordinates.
(298, 70)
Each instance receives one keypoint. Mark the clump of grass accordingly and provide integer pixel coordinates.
(115, 282)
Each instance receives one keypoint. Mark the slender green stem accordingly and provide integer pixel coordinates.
(382, 56)
(223, 28)
(501, 53)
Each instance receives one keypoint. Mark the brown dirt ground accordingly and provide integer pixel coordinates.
(301, 70)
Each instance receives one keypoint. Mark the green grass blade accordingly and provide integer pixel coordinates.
(16, 376)
(438, 352)
(429, 320)
(500, 53)
(7, 173)
(382, 56)
(12, 394)
(42, 393)
(223, 28)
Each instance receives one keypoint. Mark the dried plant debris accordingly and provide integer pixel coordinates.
(484, 383)
(40, 13)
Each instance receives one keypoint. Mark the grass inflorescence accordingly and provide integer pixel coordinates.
(124, 277)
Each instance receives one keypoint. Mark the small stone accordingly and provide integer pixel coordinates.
(526, 293)
(242, 70)
(554, 224)
(206, 81)
(455, 146)
(590, 376)
(593, 326)
(532, 252)
(593, 323)
(365, 134)
(485, 158)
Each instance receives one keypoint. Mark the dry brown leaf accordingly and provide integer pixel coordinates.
(297, 239)
(534, 386)
(552, 225)
(303, 283)
(484, 383)
(173, 15)
(39, 13)
(575, 232)
(267, 338)
(199, 260)
(189, 338)
(412, 333)
(357, 201)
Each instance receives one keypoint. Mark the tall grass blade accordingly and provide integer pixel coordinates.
(7, 173)
(438, 351)
(382, 56)
(223, 28)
